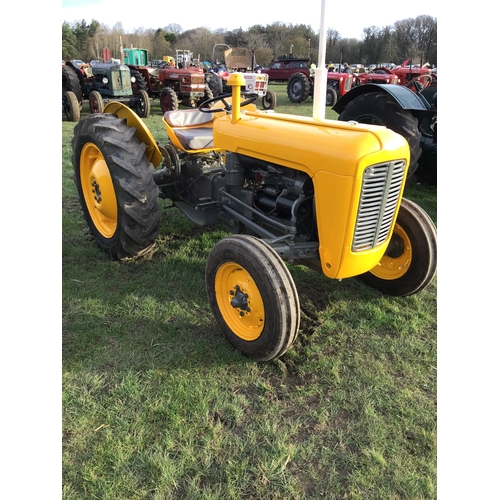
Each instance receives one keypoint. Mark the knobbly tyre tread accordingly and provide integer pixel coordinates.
(168, 100)
(140, 82)
(306, 88)
(383, 107)
(132, 179)
(71, 82)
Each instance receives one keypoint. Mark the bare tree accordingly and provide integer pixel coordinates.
(332, 38)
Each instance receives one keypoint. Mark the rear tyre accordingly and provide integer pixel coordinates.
(140, 82)
(143, 105)
(214, 81)
(71, 106)
(409, 263)
(379, 108)
(96, 102)
(253, 297)
(168, 100)
(298, 88)
(71, 82)
(331, 97)
(269, 100)
(115, 185)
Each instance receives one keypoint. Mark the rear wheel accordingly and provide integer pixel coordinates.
(269, 100)
(410, 261)
(143, 105)
(96, 102)
(168, 100)
(140, 82)
(214, 81)
(71, 106)
(379, 108)
(71, 82)
(115, 185)
(298, 88)
(253, 296)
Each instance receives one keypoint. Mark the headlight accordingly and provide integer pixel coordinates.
(132, 79)
(105, 80)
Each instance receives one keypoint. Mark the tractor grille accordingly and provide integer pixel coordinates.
(379, 197)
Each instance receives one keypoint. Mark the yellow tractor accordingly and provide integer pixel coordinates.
(299, 190)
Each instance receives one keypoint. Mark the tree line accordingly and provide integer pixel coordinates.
(413, 38)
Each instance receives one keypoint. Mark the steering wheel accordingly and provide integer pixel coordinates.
(418, 85)
(227, 106)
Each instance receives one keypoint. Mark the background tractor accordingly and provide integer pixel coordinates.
(101, 84)
(300, 82)
(409, 112)
(304, 190)
(235, 60)
(183, 84)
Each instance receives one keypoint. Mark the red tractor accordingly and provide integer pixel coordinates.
(300, 82)
(408, 73)
(172, 85)
(378, 75)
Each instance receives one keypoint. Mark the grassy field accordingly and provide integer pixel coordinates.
(157, 405)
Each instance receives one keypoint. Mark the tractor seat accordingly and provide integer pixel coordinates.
(188, 127)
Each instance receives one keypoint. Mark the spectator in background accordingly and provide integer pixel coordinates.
(312, 69)
(346, 68)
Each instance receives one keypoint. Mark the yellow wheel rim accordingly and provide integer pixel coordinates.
(239, 301)
(98, 190)
(397, 259)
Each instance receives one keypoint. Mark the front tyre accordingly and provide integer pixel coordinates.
(410, 260)
(96, 102)
(269, 100)
(253, 297)
(71, 106)
(115, 185)
(143, 105)
(331, 97)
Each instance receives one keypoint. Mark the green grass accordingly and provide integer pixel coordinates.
(157, 405)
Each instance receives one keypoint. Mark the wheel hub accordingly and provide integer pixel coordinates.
(396, 247)
(239, 300)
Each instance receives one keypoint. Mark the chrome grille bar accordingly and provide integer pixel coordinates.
(380, 191)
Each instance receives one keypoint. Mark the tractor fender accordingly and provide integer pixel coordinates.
(405, 97)
(153, 153)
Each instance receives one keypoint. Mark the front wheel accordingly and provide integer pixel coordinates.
(143, 105)
(331, 97)
(115, 185)
(410, 260)
(253, 297)
(71, 106)
(269, 100)
(96, 102)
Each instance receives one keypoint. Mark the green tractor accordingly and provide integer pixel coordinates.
(104, 83)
